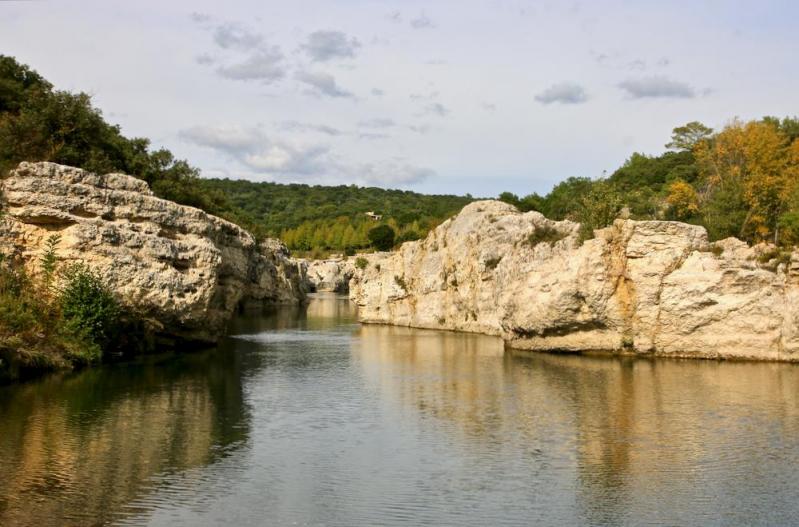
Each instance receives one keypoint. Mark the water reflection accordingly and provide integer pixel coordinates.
(305, 417)
(648, 440)
(76, 448)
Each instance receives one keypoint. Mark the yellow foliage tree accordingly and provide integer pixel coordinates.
(682, 200)
(758, 161)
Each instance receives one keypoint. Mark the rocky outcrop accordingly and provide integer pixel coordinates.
(331, 275)
(644, 287)
(183, 269)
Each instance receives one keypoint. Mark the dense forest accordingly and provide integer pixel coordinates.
(741, 181)
(334, 217)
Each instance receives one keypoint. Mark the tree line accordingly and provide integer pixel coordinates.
(740, 181)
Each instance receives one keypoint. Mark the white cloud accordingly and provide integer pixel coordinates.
(393, 173)
(657, 87)
(265, 65)
(564, 93)
(234, 36)
(322, 46)
(321, 83)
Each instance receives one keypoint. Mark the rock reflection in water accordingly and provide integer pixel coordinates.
(646, 439)
(75, 449)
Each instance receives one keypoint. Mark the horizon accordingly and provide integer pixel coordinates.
(413, 95)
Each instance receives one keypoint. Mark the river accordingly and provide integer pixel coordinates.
(305, 417)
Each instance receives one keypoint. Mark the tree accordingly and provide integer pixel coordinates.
(682, 200)
(381, 237)
(687, 136)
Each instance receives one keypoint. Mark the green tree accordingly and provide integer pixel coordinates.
(687, 136)
(381, 237)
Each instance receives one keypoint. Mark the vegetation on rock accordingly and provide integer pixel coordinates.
(63, 316)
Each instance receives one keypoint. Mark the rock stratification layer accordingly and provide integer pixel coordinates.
(646, 287)
(179, 267)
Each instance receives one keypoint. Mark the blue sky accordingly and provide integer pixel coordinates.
(456, 97)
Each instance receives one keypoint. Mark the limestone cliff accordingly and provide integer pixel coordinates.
(183, 269)
(332, 275)
(646, 287)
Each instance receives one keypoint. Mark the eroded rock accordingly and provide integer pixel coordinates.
(646, 287)
(181, 268)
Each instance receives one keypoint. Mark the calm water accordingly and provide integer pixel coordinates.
(311, 419)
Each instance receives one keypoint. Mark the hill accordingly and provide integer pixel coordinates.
(310, 217)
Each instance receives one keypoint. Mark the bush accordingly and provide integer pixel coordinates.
(88, 306)
(361, 263)
(400, 281)
(381, 237)
(544, 234)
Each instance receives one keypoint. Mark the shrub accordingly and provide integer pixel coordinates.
(381, 237)
(400, 281)
(88, 306)
(361, 263)
(545, 234)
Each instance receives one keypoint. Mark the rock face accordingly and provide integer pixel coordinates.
(330, 275)
(645, 287)
(183, 269)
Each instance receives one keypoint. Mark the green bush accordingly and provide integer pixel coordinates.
(544, 234)
(361, 263)
(381, 237)
(88, 306)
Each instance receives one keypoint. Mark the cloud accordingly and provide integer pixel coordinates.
(322, 46)
(265, 65)
(650, 87)
(393, 173)
(229, 139)
(489, 106)
(436, 108)
(321, 84)
(377, 92)
(422, 22)
(395, 17)
(234, 36)
(252, 148)
(292, 161)
(379, 122)
(564, 93)
(307, 127)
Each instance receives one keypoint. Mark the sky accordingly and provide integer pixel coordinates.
(451, 96)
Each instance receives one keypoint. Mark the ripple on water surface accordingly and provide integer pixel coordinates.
(304, 417)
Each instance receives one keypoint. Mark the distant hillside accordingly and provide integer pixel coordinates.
(309, 217)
